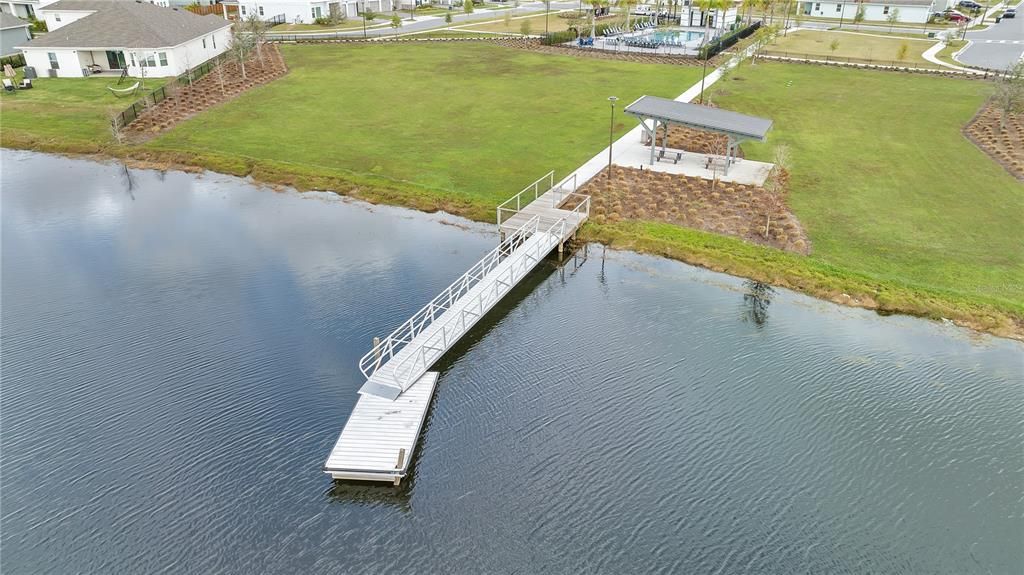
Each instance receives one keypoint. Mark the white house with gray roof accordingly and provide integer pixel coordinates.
(96, 36)
(916, 11)
(13, 32)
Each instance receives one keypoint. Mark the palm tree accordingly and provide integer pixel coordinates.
(748, 8)
(628, 5)
(595, 4)
(706, 6)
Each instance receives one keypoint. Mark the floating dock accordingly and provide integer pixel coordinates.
(378, 441)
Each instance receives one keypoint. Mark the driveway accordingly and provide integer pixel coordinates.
(997, 48)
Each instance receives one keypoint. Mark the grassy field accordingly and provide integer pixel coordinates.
(66, 108)
(887, 186)
(555, 24)
(859, 46)
(474, 120)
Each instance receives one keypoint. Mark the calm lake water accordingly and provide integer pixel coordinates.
(179, 357)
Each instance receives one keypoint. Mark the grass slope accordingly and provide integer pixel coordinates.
(476, 120)
(883, 180)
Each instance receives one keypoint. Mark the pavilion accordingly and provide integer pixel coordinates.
(652, 111)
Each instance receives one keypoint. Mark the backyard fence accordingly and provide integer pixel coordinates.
(715, 46)
(217, 9)
(131, 113)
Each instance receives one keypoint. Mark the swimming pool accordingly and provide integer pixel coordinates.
(670, 36)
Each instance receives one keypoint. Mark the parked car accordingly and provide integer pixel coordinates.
(956, 17)
(971, 4)
(1010, 13)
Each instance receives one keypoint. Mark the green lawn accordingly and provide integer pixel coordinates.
(884, 181)
(856, 46)
(475, 120)
(66, 108)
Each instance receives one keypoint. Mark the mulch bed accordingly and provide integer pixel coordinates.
(698, 141)
(206, 92)
(1004, 146)
(724, 208)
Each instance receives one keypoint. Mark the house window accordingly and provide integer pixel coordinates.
(260, 8)
(133, 58)
(839, 7)
(817, 7)
(148, 61)
(204, 43)
(885, 10)
(54, 64)
(242, 9)
(163, 58)
(56, 17)
(316, 12)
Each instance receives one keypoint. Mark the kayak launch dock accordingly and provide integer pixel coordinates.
(379, 438)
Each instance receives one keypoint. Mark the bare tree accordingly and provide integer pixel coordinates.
(240, 46)
(774, 187)
(115, 126)
(1009, 94)
(257, 35)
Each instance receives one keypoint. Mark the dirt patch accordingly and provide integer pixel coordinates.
(1005, 146)
(216, 87)
(724, 208)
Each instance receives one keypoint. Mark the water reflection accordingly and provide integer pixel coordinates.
(756, 299)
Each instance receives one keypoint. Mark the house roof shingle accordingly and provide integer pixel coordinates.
(125, 24)
(10, 21)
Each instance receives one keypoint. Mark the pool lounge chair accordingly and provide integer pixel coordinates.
(8, 85)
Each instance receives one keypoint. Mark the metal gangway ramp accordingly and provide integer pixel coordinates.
(378, 439)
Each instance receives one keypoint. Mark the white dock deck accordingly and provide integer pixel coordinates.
(378, 441)
(380, 436)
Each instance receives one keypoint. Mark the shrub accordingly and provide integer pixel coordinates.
(15, 60)
(322, 21)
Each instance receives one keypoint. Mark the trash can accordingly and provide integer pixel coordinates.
(931, 34)
(999, 19)
(30, 72)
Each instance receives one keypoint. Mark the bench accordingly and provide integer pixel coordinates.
(664, 157)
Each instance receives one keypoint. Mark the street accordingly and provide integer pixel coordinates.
(998, 47)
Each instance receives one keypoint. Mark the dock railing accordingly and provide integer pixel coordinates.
(513, 205)
(412, 366)
(387, 348)
(565, 188)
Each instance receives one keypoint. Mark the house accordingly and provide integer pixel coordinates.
(24, 9)
(306, 11)
(917, 11)
(13, 32)
(90, 36)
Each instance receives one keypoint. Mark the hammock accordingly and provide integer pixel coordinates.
(122, 92)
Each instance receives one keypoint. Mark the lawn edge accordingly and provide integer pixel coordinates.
(711, 251)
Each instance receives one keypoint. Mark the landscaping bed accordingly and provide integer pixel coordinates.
(727, 208)
(216, 87)
(1004, 146)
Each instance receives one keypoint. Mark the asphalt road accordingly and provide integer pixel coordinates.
(998, 47)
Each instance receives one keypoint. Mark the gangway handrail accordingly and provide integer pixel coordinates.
(388, 347)
(518, 198)
(410, 373)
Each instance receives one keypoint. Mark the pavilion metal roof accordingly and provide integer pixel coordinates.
(701, 117)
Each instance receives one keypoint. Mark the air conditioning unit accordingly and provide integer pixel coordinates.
(51, 73)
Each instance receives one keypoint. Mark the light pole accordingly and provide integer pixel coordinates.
(611, 132)
(364, 19)
(704, 75)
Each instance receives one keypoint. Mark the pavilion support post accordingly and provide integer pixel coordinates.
(654, 140)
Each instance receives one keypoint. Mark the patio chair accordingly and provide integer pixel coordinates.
(8, 85)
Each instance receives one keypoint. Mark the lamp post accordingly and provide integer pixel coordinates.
(704, 75)
(611, 132)
(364, 19)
